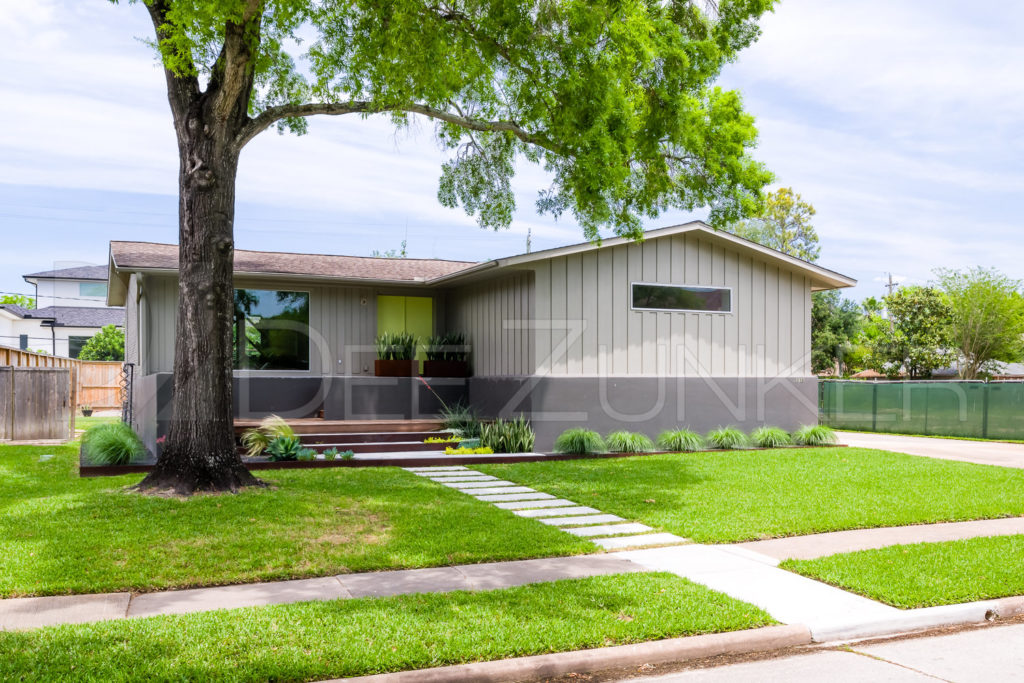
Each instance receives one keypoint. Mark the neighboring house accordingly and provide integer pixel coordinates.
(77, 287)
(690, 327)
(70, 308)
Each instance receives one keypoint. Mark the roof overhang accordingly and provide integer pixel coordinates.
(821, 278)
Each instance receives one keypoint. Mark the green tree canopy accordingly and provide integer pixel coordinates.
(987, 318)
(783, 224)
(835, 324)
(615, 100)
(107, 344)
(18, 300)
(915, 338)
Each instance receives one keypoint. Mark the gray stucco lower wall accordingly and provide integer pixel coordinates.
(553, 404)
(646, 404)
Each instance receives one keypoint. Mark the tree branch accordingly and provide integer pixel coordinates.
(182, 89)
(287, 111)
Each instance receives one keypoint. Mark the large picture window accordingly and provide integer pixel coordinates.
(271, 330)
(652, 297)
(92, 289)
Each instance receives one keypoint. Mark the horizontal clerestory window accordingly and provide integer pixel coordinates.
(271, 330)
(654, 297)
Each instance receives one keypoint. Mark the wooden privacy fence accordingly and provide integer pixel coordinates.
(94, 383)
(35, 403)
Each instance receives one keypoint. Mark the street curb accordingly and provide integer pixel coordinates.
(582, 661)
(922, 619)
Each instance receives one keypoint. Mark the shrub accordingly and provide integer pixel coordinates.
(462, 420)
(771, 437)
(727, 438)
(681, 441)
(347, 455)
(107, 344)
(629, 442)
(508, 436)
(815, 435)
(463, 450)
(305, 454)
(441, 439)
(285, 448)
(256, 440)
(331, 453)
(112, 444)
(396, 345)
(579, 441)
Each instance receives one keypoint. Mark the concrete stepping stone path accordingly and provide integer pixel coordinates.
(611, 532)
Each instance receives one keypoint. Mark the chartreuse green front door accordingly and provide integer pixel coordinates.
(414, 314)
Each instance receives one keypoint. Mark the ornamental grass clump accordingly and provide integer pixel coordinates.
(508, 436)
(771, 437)
(815, 435)
(580, 441)
(681, 441)
(256, 440)
(112, 444)
(727, 438)
(628, 442)
(461, 420)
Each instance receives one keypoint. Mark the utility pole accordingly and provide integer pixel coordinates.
(891, 285)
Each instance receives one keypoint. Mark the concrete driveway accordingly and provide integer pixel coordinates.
(980, 452)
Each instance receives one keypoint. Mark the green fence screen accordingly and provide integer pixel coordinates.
(993, 410)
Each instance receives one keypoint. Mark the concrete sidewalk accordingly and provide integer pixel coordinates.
(978, 452)
(25, 613)
(820, 545)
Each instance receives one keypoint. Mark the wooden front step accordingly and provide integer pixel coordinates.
(367, 437)
(312, 425)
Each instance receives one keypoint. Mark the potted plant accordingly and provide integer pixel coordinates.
(447, 356)
(396, 355)
(86, 411)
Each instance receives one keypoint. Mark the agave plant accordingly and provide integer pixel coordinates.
(771, 437)
(727, 438)
(628, 442)
(680, 441)
(815, 435)
(580, 441)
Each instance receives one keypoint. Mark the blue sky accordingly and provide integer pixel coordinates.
(900, 121)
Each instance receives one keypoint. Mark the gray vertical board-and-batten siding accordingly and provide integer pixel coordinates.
(495, 315)
(584, 324)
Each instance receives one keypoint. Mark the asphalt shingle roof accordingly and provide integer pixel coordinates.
(72, 316)
(77, 273)
(147, 255)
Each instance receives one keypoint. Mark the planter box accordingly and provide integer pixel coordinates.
(395, 368)
(445, 368)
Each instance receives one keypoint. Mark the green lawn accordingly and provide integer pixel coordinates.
(82, 422)
(61, 534)
(926, 574)
(722, 497)
(318, 640)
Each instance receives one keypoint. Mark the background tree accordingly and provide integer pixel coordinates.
(616, 101)
(914, 338)
(18, 300)
(784, 224)
(835, 324)
(987, 318)
(107, 344)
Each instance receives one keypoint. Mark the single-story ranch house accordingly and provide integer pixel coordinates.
(692, 326)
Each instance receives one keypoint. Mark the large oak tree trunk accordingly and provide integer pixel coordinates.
(200, 453)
